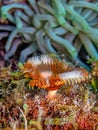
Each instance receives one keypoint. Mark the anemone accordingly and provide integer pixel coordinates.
(50, 27)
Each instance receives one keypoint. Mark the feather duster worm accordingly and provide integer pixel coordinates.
(51, 73)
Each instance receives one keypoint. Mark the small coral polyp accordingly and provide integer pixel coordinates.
(51, 73)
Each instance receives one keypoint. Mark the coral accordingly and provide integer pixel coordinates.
(51, 26)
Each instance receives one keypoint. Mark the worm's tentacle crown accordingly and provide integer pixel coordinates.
(51, 73)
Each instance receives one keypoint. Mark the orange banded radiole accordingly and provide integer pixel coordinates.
(76, 76)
